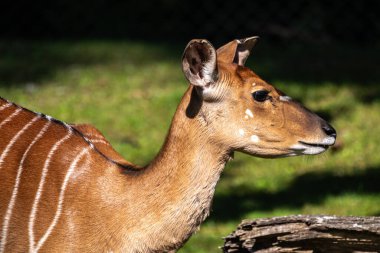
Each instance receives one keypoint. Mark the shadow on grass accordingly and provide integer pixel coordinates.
(311, 188)
(25, 62)
(34, 61)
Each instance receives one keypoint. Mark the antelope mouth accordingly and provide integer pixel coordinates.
(320, 145)
(308, 148)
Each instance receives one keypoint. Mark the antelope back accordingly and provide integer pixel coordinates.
(38, 157)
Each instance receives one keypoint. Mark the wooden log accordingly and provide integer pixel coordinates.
(306, 233)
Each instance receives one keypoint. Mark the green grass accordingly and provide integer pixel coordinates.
(130, 90)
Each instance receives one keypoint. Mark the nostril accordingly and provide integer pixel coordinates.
(329, 130)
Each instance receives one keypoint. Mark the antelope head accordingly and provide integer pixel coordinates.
(245, 113)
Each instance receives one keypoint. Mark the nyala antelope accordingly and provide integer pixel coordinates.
(65, 189)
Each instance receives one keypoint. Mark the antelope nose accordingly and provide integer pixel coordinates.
(329, 130)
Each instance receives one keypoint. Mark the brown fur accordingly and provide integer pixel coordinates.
(157, 208)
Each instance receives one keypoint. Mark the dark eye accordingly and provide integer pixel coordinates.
(260, 95)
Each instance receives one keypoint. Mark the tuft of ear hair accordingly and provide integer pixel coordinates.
(237, 51)
(199, 63)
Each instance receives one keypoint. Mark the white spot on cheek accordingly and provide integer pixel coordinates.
(241, 132)
(255, 138)
(253, 84)
(248, 113)
(285, 98)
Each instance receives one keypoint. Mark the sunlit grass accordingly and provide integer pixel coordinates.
(130, 92)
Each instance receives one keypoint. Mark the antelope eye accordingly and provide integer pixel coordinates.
(260, 95)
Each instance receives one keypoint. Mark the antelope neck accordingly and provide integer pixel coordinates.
(184, 175)
(189, 151)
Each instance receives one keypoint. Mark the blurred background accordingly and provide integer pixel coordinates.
(179, 21)
(116, 65)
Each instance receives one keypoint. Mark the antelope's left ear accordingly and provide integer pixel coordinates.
(199, 63)
(237, 51)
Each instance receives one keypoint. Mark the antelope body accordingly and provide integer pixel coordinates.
(65, 189)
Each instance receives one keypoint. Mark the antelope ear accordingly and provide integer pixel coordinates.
(199, 63)
(237, 51)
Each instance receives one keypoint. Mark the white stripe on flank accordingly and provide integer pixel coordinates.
(60, 199)
(10, 117)
(14, 139)
(32, 216)
(8, 214)
(99, 141)
(5, 106)
(94, 135)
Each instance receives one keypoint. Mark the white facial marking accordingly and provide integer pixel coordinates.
(249, 113)
(298, 146)
(285, 98)
(255, 138)
(246, 117)
(241, 132)
(253, 84)
(328, 140)
(306, 149)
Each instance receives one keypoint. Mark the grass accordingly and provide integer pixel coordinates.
(129, 90)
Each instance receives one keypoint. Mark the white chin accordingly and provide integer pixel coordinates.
(301, 149)
(313, 150)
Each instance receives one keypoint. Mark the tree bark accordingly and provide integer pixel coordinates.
(304, 233)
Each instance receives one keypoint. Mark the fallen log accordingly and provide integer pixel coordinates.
(305, 233)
